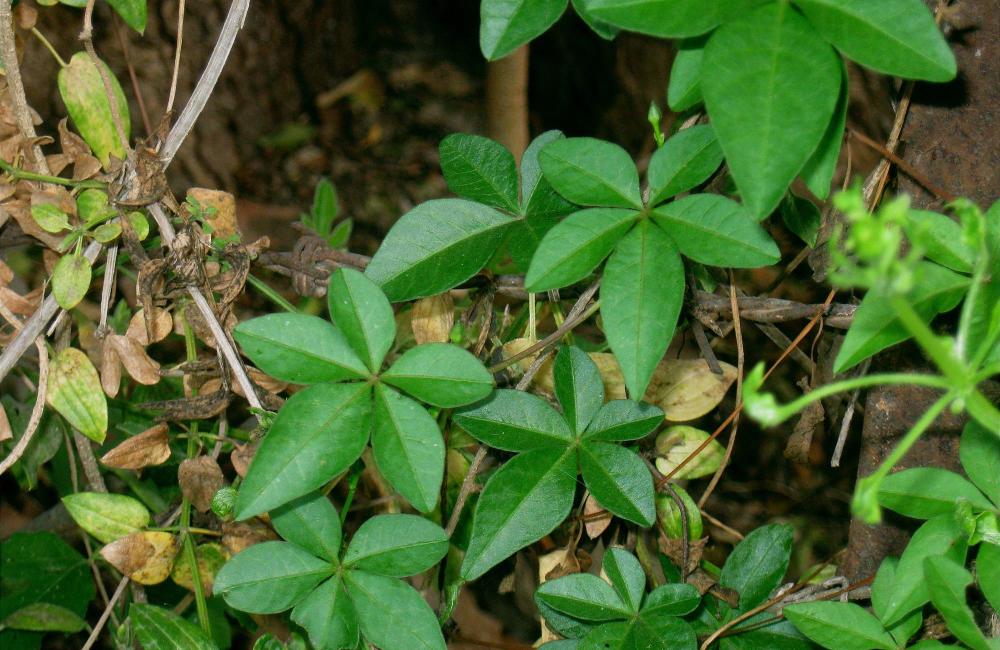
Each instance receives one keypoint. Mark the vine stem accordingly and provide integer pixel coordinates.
(36, 411)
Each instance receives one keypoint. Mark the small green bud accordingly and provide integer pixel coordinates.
(223, 502)
(670, 519)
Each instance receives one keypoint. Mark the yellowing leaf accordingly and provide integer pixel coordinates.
(211, 557)
(82, 90)
(676, 443)
(143, 450)
(106, 516)
(75, 393)
(146, 557)
(71, 280)
(432, 318)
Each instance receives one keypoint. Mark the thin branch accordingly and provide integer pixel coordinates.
(903, 165)
(36, 410)
(177, 55)
(108, 286)
(466, 489)
(90, 469)
(22, 114)
(92, 639)
(126, 54)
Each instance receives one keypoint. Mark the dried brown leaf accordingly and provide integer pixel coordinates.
(111, 369)
(432, 318)
(146, 557)
(241, 457)
(595, 527)
(240, 535)
(151, 447)
(5, 431)
(133, 356)
(200, 478)
(160, 326)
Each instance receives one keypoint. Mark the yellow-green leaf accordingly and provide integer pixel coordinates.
(50, 218)
(82, 90)
(70, 280)
(75, 392)
(107, 232)
(106, 516)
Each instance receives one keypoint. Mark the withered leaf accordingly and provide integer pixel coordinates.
(598, 525)
(143, 450)
(674, 444)
(111, 369)
(241, 457)
(211, 557)
(160, 325)
(200, 478)
(432, 318)
(146, 557)
(240, 535)
(5, 431)
(133, 356)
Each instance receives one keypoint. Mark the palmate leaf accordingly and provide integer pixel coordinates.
(393, 616)
(947, 581)
(902, 630)
(514, 420)
(505, 25)
(299, 348)
(642, 292)
(758, 563)
(328, 616)
(818, 171)
(642, 632)
(534, 489)
(317, 434)
(270, 577)
(574, 248)
(479, 169)
(622, 419)
(771, 64)
(626, 576)
(619, 481)
(669, 18)
(578, 386)
(363, 314)
(897, 37)
(311, 522)
(440, 374)
(717, 231)
(161, 629)
(674, 599)
(408, 447)
(436, 246)
(684, 161)
(396, 545)
(684, 87)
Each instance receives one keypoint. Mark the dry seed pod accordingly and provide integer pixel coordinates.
(143, 450)
(432, 319)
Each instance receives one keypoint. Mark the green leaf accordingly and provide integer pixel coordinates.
(669, 18)
(41, 568)
(882, 587)
(623, 419)
(802, 217)
(328, 615)
(941, 239)
(839, 625)
(324, 206)
(44, 617)
(363, 314)
(567, 626)
(988, 572)
(435, 246)
(819, 169)
(619, 481)
(897, 37)
(979, 451)
(924, 492)
(513, 420)
(311, 522)
(717, 231)
(758, 563)
(578, 386)
(535, 190)
(75, 392)
(392, 614)
(938, 536)
(92, 206)
(479, 169)
(139, 224)
(642, 632)
(270, 577)
(107, 232)
(769, 64)
(82, 90)
(583, 596)
(133, 12)
(50, 218)
(541, 206)
(521, 503)
(601, 28)
(396, 545)
(684, 161)
(573, 249)
(408, 448)
(299, 348)
(675, 599)
(71, 280)
(587, 171)
(642, 293)
(875, 326)
(947, 581)
(106, 516)
(44, 444)
(505, 25)
(160, 629)
(440, 374)
(684, 87)
(626, 576)
(316, 435)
